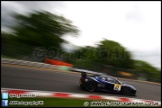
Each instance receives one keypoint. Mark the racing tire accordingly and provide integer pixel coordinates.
(90, 87)
(126, 91)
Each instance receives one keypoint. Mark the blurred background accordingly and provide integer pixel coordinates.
(118, 38)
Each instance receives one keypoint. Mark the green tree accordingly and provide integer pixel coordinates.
(148, 70)
(40, 29)
(86, 53)
(112, 53)
(107, 52)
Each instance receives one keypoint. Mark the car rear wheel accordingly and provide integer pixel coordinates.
(91, 87)
(126, 91)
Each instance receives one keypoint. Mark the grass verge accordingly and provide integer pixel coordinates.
(67, 102)
(51, 102)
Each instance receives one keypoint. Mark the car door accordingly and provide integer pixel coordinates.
(112, 84)
(109, 84)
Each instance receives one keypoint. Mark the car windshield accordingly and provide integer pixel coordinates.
(108, 78)
(119, 81)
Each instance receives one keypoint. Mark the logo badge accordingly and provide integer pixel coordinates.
(4, 95)
(4, 102)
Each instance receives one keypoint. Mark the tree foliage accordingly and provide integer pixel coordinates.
(112, 53)
(147, 69)
(107, 52)
(39, 29)
(42, 29)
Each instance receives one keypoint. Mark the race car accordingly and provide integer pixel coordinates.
(105, 82)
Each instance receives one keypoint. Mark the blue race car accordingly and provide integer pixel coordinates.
(105, 83)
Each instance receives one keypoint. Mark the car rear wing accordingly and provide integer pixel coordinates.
(83, 70)
(86, 72)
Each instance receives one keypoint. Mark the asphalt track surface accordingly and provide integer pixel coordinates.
(22, 77)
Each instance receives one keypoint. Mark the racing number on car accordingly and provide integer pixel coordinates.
(117, 87)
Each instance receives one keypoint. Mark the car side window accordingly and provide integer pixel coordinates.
(110, 80)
